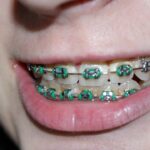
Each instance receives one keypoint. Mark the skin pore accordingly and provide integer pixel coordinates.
(102, 28)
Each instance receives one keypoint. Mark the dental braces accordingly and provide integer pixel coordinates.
(84, 95)
(88, 73)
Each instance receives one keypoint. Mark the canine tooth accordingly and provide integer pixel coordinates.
(94, 80)
(130, 84)
(113, 71)
(71, 79)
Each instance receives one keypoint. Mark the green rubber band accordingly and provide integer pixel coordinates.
(67, 94)
(85, 95)
(129, 92)
(60, 72)
(124, 70)
(92, 73)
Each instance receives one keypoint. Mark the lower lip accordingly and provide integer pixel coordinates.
(79, 116)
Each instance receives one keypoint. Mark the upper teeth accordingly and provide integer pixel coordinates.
(95, 74)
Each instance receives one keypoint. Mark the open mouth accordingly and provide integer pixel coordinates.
(90, 81)
(91, 96)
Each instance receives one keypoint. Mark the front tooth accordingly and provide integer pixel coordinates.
(129, 85)
(71, 79)
(93, 74)
(116, 76)
(144, 76)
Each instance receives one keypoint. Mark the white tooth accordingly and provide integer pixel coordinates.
(95, 90)
(111, 87)
(71, 79)
(144, 76)
(128, 85)
(114, 78)
(94, 82)
(74, 88)
(136, 63)
(146, 84)
(48, 77)
(52, 84)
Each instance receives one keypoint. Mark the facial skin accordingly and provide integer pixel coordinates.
(101, 28)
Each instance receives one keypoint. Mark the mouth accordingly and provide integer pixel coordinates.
(90, 96)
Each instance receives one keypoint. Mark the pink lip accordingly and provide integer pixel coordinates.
(80, 116)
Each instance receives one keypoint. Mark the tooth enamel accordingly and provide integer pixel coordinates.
(99, 81)
(114, 78)
(71, 79)
(95, 90)
(146, 84)
(48, 76)
(92, 81)
(52, 84)
(111, 87)
(128, 85)
(144, 76)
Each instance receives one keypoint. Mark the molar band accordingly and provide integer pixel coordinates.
(67, 94)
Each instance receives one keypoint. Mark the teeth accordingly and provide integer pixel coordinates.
(128, 85)
(93, 75)
(111, 87)
(48, 76)
(52, 84)
(146, 84)
(95, 90)
(71, 79)
(92, 81)
(144, 76)
(114, 77)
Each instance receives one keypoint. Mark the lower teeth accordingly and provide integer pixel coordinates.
(85, 95)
